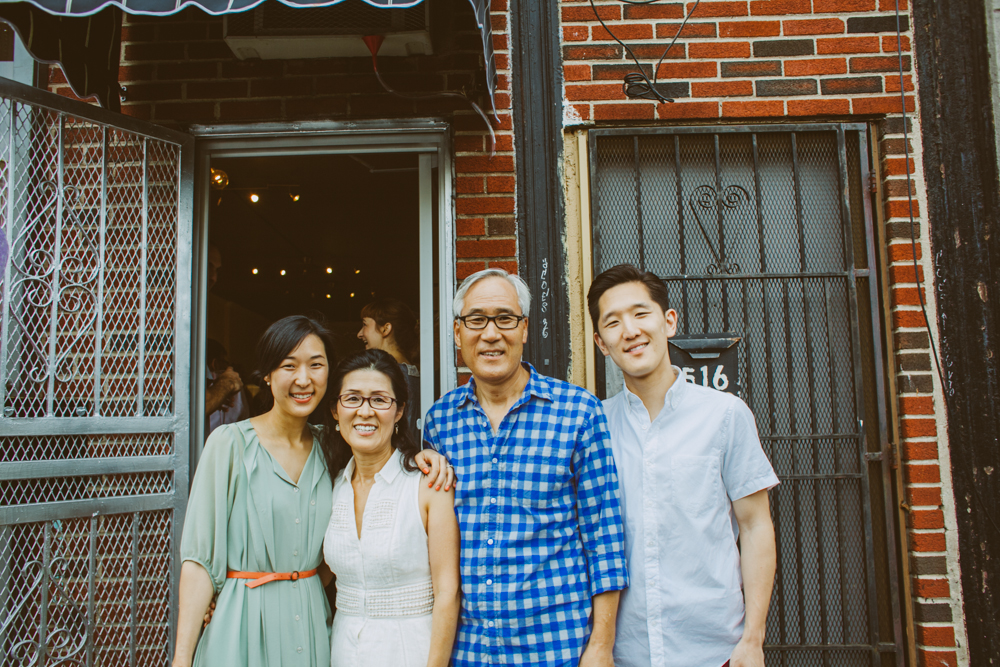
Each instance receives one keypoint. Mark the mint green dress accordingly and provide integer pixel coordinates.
(244, 513)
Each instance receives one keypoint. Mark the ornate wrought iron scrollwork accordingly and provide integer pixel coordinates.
(708, 198)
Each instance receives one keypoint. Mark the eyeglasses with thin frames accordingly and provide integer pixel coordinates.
(505, 321)
(355, 401)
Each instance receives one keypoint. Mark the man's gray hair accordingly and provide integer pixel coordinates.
(523, 293)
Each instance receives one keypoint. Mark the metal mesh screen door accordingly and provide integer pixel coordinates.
(764, 232)
(95, 237)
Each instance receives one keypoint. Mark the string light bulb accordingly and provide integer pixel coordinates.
(294, 197)
(282, 272)
(357, 271)
(254, 270)
(218, 179)
(329, 269)
(352, 295)
(327, 296)
(254, 197)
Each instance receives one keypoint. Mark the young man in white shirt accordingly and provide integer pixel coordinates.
(694, 481)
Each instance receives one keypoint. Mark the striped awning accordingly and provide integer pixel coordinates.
(83, 36)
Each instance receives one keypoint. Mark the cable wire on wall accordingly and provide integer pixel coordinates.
(637, 85)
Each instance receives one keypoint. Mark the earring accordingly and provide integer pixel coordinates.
(397, 428)
(336, 427)
(268, 382)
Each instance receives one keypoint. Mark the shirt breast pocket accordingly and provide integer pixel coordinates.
(539, 482)
(694, 481)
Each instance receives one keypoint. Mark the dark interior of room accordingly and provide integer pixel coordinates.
(310, 234)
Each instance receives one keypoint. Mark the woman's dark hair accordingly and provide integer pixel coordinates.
(619, 275)
(403, 321)
(382, 362)
(279, 341)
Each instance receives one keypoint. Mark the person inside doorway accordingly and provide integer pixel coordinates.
(389, 325)
(225, 402)
(690, 462)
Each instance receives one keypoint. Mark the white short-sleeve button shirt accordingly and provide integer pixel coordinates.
(679, 475)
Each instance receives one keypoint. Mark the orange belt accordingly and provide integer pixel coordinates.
(261, 578)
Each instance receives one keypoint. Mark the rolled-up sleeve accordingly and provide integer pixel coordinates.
(598, 506)
(206, 523)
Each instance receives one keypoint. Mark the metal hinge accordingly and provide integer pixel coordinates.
(872, 183)
(873, 456)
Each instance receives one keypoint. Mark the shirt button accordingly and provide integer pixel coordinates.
(490, 541)
(490, 624)
(299, 649)
(296, 521)
(312, 502)
(295, 489)
(495, 461)
(295, 553)
(493, 501)
(296, 617)
(489, 582)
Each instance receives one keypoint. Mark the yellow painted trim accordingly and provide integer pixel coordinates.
(583, 162)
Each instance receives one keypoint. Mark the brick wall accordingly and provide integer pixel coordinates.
(178, 71)
(794, 60)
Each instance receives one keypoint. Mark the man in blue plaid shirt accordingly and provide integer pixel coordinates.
(543, 557)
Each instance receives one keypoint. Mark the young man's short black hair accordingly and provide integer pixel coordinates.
(619, 275)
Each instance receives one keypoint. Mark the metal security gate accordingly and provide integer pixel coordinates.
(765, 233)
(95, 236)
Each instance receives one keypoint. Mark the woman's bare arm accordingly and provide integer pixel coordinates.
(443, 545)
(437, 469)
(196, 593)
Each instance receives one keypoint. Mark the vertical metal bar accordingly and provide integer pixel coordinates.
(143, 238)
(56, 271)
(837, 459)
(91, 590)
(776, 495)
(426, 277)
(134, 606)
(852, 290)
(794, 430)
(43, 604)
(638, 202)
(447, 373)
(799, 220)
(721, 217)
(8, 293)
(101, 241)
(746, 361)
(6, 553)
(760, 206)
(681, 242)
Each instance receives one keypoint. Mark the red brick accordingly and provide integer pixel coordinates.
(155, 51)
(128, 73)
(824, 107)
(892, 83)
(931, 588)
(500, 184)
(936, 635)
(699, 70)
(927, 543)
(466, 185)
(654, 51)
(890, 45)
(505, 142)
(139, 111)
(483, 205)
(718, 9)
(641, 111)
(904, 296)
(908, 319)
(576, 33)
(675, 11)
(316, 106)
(920, 451)
(719, 50)
(576, 72)
(937, 658)
(498, 5)
(916, 405)
(215, 90)
(721, 88)
(922, 474)
(927, 520)
(779, 7)
(881, 105)
(866, 44)
(465, 269)
(890, 5)
(814, 27)
(831, 6)
(904, 273)
(583, 110)
(467, 144)
(610, 12)
(815, 66)
(472, 164)
(753, 109)
(879, 64)
(749, 28)
(498, 22)
(669, 31)
(624, 31)
(924, 496)
(508, 266)
(485, 248)
(592, 52)
(186, 111)
(898, 166)
(595, 91)
(470, 227)
(899, 252)
(688, 110)
(186, 71)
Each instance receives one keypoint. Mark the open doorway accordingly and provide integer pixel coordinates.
(306, 234)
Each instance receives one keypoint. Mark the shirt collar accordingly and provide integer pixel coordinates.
(670, 402)
(388, 472)
(538, 386)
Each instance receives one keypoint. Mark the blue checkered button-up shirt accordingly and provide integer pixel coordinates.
(538, 507)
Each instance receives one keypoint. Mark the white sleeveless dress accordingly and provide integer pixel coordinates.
(384, 593)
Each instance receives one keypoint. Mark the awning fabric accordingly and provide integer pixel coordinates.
(69, 26)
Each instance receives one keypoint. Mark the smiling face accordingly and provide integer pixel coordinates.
(493, 355)
(366, 430)
(371, 335)
(633, 330)
(299, 382)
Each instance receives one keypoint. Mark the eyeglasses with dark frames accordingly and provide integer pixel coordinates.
(506, 321)
(355, 401)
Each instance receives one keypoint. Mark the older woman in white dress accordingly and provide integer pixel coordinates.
(393, 542)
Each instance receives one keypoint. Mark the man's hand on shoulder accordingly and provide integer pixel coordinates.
(746, 654)
(598, 655)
